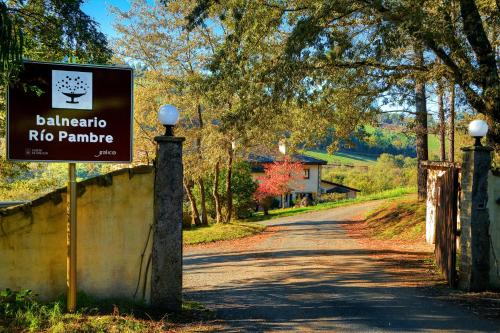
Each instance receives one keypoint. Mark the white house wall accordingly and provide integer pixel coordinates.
(310, 185)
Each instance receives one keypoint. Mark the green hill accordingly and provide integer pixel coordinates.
(343, 157)
(353, 157)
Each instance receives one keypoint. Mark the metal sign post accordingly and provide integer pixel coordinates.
(71, 239)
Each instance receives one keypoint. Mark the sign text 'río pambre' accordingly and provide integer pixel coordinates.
(70, 113)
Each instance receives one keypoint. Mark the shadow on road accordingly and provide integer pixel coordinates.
(312, 276)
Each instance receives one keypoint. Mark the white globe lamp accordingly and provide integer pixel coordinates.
(477, 129)
(168, 115)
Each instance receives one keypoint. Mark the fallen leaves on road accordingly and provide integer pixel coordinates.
(240, 243)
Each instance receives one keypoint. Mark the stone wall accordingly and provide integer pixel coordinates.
(494, 212)
(115, 214)
(474, 236)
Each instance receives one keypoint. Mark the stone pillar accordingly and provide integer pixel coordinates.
(166, 264)
(474, 219)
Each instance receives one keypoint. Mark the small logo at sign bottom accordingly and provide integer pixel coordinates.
(35, 151)
(105, 153)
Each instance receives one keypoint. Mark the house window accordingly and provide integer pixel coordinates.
(306, 173)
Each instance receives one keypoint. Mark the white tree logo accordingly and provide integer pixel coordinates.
(72, 87)
(71, 90)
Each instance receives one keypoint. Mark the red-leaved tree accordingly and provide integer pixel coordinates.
(279, 179)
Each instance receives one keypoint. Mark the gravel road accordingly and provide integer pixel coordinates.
(310, 276)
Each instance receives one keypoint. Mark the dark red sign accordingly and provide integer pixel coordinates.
(70, 113)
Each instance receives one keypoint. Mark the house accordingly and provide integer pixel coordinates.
(308, 186)
(311, 185)
(330, 187)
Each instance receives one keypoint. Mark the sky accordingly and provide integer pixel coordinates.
(99, 11)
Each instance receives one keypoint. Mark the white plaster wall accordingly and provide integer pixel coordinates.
(113, 229)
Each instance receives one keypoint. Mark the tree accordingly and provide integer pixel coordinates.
(326, 41)
(442, 122)
(280, 178)
(172, 62)
(48, 30)
(329, 74)
(451, 118)
(421, 126)
(243, 187)
(461, 33)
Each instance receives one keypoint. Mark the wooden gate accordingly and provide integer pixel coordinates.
(446, 189)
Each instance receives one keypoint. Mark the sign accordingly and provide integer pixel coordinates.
(70, 113)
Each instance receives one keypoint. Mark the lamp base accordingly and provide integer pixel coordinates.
(169, 130)
(477, 143)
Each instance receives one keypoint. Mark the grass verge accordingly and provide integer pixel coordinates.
(218, 232)
(394, 233)
(394, 193)
(22, 312)
(402, 219)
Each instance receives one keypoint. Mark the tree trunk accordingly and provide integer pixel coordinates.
(201, 184)
(493, 120)
(215, 194)
(421, 127)
(452, 122)
(229, 191)
(203, 204)
(442, 124)
(195, 215)
(474, 31)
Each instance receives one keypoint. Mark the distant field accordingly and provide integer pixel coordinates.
(434, 145)
(366, 159)
(395, 135)
(343, 158)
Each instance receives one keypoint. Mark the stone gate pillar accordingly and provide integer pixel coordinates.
(166, 275)
(474, 219)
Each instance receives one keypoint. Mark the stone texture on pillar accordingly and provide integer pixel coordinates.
(166, 264)
(494, 212)
(474, 219)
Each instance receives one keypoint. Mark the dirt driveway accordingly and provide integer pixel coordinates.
(307, 274)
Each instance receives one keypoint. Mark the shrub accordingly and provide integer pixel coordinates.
(242, 185)
(21, 309)
(389, 172)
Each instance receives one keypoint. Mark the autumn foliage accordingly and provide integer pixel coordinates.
(279, 179)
